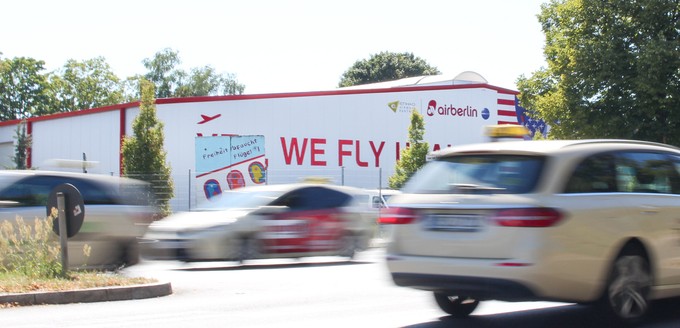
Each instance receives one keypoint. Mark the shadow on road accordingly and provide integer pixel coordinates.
(663, 314)
(264, 265)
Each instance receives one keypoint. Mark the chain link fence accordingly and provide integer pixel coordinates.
(188, 190)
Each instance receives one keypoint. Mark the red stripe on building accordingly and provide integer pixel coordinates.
(29, 150)
(509, 102)
(510, 113)
(121, 131)
(230, 166)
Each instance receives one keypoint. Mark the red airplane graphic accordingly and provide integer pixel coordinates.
(207, 118)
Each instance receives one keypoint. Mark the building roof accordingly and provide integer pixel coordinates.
(467, 77)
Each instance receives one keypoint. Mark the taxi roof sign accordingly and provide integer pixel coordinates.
(506, 131)
(316, 180)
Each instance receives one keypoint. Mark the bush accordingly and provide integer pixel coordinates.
(30, 250)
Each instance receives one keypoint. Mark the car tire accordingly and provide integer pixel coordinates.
(456, 306)
(626, 295)
(348, 246)
(249, 249)
(130, 253)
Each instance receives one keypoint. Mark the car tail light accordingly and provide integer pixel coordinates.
(528, 217)
(513, 264)
(397, 215)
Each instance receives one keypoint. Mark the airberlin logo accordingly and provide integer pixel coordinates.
(451, 110)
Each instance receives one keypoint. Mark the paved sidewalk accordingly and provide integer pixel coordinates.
(105, 294)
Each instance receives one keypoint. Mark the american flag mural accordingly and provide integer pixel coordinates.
(506, 109)
(510, 112)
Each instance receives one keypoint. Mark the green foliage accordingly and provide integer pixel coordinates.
(27, 91)
(143, 155)
(24, 90)
(171, 81)
(205, 81)
(163, 71)
(386, 66)
(130, 87)
(414, 157)
(30, 250)
(83, 85)
(613, 70)
(22, 144)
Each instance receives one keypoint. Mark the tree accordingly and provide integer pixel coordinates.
(143, 155)
(206, 82)
(413, 157)
(23, 89)
(86, 84)
(163, 72)
(171, 81)
(613, 70)
(386, 66)
(23, 143)
(130, 87)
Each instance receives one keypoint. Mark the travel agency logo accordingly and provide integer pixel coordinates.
(402, 106)
(451, 110)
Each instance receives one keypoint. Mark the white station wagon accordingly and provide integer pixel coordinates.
(588, 221)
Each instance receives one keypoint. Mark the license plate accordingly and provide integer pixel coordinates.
(456, 223)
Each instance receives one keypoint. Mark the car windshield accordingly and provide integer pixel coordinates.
(484, 174)
(240, 199)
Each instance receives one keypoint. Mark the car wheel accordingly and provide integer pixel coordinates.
(249, 248)
(131, 253)
(128, 253)
(627, 291)
(348, 246)
(456, 306)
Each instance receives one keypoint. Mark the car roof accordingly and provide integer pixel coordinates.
(292, 186)
(545, 147)
(75, 175)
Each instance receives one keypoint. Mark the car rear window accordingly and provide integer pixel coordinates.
(483, 174)
(314, 198)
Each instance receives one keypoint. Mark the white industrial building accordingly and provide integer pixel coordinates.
(352, 136)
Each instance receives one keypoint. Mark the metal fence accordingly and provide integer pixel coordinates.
(188, 191)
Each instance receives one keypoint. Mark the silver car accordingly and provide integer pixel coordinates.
(589, 221)
(271, 221)
(117, 212)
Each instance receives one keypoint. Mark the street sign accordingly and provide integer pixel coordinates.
(74, 208)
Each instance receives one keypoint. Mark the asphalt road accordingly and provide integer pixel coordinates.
(315, 292)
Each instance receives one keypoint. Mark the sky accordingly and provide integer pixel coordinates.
(273, 46)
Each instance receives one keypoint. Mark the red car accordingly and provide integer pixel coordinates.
(274, 221)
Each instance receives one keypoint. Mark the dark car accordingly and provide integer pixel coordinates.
(117, 212)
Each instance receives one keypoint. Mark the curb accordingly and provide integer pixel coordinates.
(104, 294)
